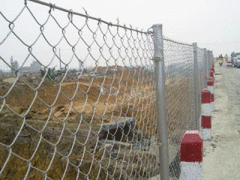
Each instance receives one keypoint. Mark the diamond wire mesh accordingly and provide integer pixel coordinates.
(201, 68)
(201, 77)
(89, 113)
(85, 108)
(179, 64)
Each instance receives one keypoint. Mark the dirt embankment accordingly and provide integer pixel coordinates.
(65, 130)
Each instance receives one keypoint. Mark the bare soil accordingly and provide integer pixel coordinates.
(56, 130)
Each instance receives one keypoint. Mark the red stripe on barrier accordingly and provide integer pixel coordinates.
(206, 122)
(211, 74)
(206, 96)
(210, 81)
(213, 69)
(212, 97)
(192, 147)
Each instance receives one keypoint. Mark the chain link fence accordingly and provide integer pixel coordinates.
(180, 97)
(201, 68)
(78, 96)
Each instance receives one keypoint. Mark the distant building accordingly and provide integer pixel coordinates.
(34, 67)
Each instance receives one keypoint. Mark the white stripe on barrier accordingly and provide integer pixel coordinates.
(206, 109)
(212, 107)
(206, 133)
(191, 171)
(210, 88)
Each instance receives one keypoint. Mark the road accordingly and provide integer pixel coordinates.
(222, 153)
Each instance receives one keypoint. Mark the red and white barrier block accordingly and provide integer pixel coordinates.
(191, 156)
(210, 87)
(212, 74)
(210, 83)
(212, 69)
(206, 114)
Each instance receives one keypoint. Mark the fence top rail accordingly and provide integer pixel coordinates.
(180, 43)
(53, 6)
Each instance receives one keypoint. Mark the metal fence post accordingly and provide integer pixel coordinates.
(162, 125)
(212, 57)
(207, 58)
(205, 67)
(211, 60)
(196, 88)
(208, 64)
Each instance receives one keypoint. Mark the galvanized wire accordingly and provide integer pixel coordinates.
(201, 68)
(201, 76)
(179, 67)
(85, 108)
(179, 62)
(79, 101)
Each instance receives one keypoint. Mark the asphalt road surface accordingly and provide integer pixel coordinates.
(222, 153)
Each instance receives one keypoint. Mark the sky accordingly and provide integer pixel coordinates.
(213, 24)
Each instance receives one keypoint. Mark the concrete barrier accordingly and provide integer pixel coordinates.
(191, 153)
(210, 87)
(212, 74)
(206, 114)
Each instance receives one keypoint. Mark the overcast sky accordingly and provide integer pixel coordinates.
(213, 24)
